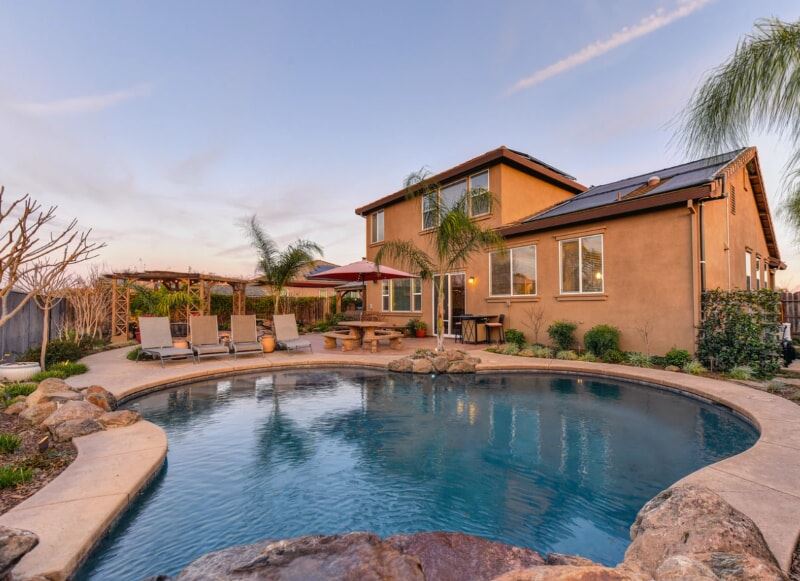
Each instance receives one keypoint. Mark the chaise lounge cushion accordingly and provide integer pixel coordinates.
(247, 347)
(296, 344)
(169, 352)
(213, 349)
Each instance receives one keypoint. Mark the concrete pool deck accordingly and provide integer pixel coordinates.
(763, 482)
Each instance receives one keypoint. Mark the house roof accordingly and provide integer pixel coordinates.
(663, 187)
(517, 159)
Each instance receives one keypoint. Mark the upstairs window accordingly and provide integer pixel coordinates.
(758, 272)
(376, 230)
(581, 261)
(480, 202)
(477, 204)
(513, 272)
(748, 270)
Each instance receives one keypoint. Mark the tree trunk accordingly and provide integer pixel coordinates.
(45, 336)
(440, 315)
(276, 300)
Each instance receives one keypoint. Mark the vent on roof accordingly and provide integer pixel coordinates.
(653, 181)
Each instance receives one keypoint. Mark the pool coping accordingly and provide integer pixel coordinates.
(763, 482)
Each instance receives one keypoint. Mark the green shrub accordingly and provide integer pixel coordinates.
(638, 359)
(562, 334)
(10, 476)
(694, 367)
(526, 352)
(516, 337)
(510, 349)
(12, 390)
(9, 443)
(602, 338)
(677, 357)
(741, 372)
(740, 328)
(542, 352)
(613, 356)
(136, 354)
(588, 357)
(57, 350)
(61, 371)
(567, 355)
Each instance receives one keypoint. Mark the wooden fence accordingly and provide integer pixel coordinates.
(24, 330)
(790, 305)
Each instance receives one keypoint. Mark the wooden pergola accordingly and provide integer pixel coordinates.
(198, 285)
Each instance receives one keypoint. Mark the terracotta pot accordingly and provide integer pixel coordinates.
(268, 343)
(421, 333)
(181, 344)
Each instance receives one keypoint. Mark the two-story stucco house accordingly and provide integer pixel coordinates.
(636, 253)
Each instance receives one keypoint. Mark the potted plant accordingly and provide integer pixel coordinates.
(268, 343)
(421, 330)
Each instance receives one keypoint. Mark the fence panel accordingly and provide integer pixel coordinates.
(790, 305)
(24, 330)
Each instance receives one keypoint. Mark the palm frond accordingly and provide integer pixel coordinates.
(757, 88)
(408, 256)
(265, 246)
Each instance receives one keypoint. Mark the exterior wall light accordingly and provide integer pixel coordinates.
(472, 280)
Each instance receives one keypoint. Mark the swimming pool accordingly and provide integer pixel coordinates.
(552, 462)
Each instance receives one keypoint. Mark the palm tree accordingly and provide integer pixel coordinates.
(758, 87)
(278, 268)
(454, 238)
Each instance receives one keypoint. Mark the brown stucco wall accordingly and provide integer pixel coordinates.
(728, 235)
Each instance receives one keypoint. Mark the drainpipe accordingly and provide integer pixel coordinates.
(702, 243)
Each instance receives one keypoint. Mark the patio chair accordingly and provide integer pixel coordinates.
(244, 335)
(157, 340)
(204, 337)
(286, 333)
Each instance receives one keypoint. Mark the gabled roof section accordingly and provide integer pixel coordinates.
(688, 181)
(516, 159)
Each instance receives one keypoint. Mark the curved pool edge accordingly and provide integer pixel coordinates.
(763, 482)
(71, 513)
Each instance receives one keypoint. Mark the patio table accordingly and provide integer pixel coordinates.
(364, 331)
(469, 326)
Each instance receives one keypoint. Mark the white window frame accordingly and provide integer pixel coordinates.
(468, 181)
(748, 270)
(374, 218)
(510, 252)
(416, 291)
(758, 272)
(580, 290)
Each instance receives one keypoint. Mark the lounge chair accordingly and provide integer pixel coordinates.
(286, 333)
(204, 337)
(157, 340)
(244, 337)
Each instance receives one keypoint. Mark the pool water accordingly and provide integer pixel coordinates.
(555, 463)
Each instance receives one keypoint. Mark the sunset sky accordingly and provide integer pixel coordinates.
(161, 125)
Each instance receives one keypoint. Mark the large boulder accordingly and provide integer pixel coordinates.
(572, 573)
(456, 556)
(100, 397)
(119, 418)
(16, 408)
(14, 544)
(73, 410)
(696, 523)
(37, 413)
(421, 366)
(425, 361)
(47, 387)
(66, 430)
(351, 556)
(402, 365)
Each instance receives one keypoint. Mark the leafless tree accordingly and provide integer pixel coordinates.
(51, 283)
(88, 307)
(29, 238)
(644, 329)
(533, 319)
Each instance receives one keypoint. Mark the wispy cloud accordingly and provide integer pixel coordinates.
(83, 104)
(650, 23)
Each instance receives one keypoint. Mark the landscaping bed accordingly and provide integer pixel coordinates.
(32, 467)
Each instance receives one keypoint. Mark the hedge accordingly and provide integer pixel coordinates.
(740, 328)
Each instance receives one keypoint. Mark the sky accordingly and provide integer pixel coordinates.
(163, 125)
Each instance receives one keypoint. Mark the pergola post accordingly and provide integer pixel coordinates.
(239, 298)
(120, 311)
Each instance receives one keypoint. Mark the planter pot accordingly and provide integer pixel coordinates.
(421, 333)
(268, 343)
(138, 336)
(181, 344)
(19, 371)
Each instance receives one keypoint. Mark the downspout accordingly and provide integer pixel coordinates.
(702, 244)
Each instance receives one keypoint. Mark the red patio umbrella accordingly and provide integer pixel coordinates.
(361, 271)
